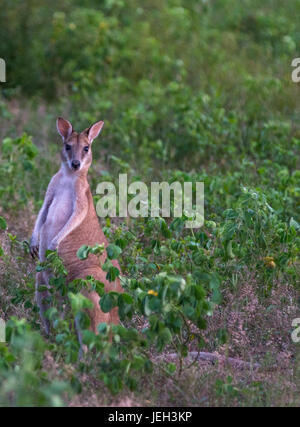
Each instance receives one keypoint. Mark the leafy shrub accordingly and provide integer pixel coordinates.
(24, 382)
(17, 161)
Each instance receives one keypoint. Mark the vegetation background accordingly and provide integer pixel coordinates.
(190, 90)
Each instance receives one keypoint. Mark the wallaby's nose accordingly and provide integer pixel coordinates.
(75, 164)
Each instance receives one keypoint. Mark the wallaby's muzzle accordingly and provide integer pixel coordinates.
(75, 164)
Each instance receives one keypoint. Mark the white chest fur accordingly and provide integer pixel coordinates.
(60, 209)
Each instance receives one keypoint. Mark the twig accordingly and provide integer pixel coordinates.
(211, 357)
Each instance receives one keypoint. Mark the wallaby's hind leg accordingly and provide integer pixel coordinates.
(96, 316)
(41, 296)
(83, 348)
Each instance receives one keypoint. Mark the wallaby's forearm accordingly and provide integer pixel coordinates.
(35, 238)
(42, 216)
(80, 211)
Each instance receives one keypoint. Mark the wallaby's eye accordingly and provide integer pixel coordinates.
(68, 147)
(86, 148)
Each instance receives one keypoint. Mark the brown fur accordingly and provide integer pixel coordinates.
(89, 233)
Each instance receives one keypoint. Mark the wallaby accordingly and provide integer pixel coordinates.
(68, 220)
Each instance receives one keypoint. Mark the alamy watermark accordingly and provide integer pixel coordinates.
(296, 332)
(2, 331)
(158, 203)
(296, 72)
(2, 71)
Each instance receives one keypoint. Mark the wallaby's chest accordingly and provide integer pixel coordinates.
(61, 208)
(62, 205)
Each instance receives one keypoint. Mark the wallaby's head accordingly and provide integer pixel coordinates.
(76, 153)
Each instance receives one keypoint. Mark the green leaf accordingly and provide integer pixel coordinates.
(102, 328)
(112, 274)
(88, 337)
(171, 367)
(97, 249)
(79, 302)
(107, 265)
(113, 251)
(82, 319)
(127, 298)
(83, 252)
(164, 337)
(229, 251)
(294, 223)
(146, 306)
(3, 224)
(230, 214)
(215, 287)
(106, 303)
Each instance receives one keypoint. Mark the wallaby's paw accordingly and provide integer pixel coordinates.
(82, 352)
(46, 325)
(53, 245)
(34, 249)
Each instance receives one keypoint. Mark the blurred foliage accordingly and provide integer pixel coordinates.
(183, 82)
(24, 380)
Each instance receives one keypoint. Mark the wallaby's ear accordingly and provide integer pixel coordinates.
(64, 128)
(94, 131)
